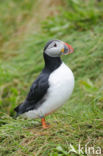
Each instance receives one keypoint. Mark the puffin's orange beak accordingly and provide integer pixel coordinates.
(67, 49)
(70, 49)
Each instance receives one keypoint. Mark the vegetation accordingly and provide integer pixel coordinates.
(24, 30)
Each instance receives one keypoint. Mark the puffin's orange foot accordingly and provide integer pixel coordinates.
(44, 125)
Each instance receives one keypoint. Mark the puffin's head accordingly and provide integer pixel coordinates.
(56, 48)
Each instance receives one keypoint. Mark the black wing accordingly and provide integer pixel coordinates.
(35, 96)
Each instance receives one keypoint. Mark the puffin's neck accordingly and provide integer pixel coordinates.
(52, 63)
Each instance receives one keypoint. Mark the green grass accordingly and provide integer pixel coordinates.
(81, 118)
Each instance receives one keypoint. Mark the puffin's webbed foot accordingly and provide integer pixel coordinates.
(44, 125)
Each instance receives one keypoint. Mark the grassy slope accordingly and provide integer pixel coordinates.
(80, 119)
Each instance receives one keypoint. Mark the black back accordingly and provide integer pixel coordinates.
(40, 86)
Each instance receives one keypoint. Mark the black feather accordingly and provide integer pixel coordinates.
(39, 88)
(35, 95)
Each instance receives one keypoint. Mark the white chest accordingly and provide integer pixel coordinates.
(61, 84)
(62, 78)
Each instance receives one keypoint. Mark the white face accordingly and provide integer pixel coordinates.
(55, 48)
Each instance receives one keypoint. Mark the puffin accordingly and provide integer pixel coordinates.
(53, 86)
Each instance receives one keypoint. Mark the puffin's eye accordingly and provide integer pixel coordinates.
(55, 45)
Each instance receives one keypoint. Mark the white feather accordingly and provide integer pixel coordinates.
(61, 84)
